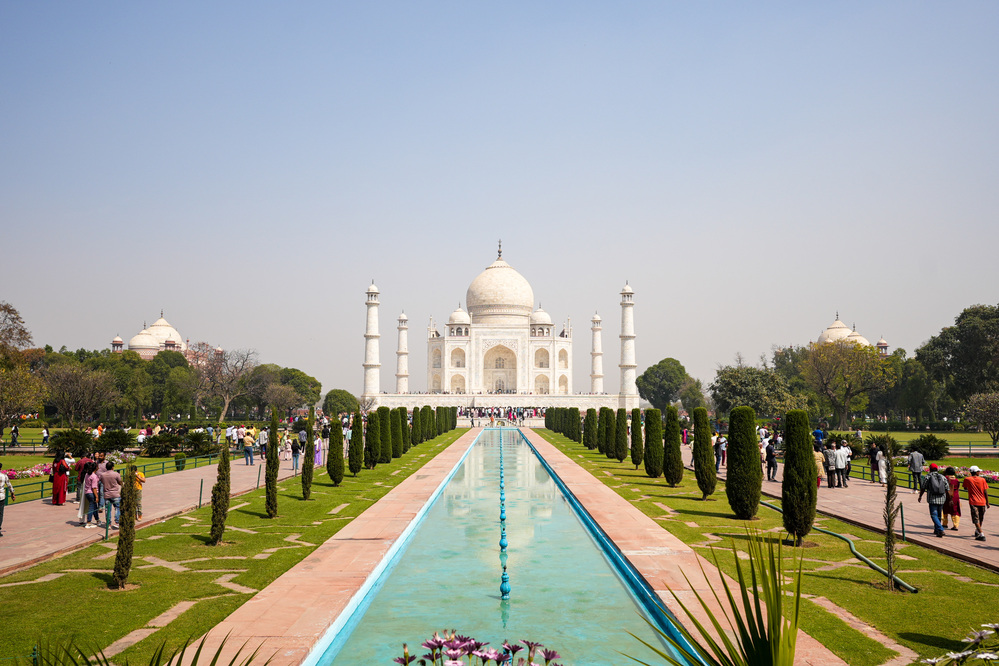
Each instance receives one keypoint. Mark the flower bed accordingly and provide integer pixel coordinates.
(44, 469)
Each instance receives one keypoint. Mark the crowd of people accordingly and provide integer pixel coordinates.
(98, 487)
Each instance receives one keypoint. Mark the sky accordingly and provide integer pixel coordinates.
(751, 169)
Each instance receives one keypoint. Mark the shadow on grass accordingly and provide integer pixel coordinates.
(106, 578)
(944, 644)
(257, 514)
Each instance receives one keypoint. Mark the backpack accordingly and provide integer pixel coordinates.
(938, 484)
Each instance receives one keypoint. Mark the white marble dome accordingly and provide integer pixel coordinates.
(539, 316)
(858, 338)
(162, 331)
(835, 332)
(459, 316)
(499, 292)
(143, 340)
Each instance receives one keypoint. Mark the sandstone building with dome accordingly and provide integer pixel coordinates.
(500, 351)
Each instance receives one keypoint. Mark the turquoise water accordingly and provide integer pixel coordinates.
(565, 593)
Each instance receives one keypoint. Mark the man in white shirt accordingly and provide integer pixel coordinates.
(842, 456)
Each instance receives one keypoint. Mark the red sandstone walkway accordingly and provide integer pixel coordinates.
(862, 503)
(35, 531)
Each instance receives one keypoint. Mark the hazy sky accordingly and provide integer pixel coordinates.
(250, 167)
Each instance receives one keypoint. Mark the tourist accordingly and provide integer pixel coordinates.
(936, 488)
(80, 465)
(915, 462)
(830, 456)
(978, 499)
(724, 451)
(248, 447)
(140, 479)
(90, 492)
(842, 462)
(111, 482)
(952, 507)
(15, 432)
(59, 478)
(820, 464)
(716, 445)
(303, 437)
(296, 449)
(5, 488)
(318, 445)
(882, 462)
(262, 442)
(771, 454)
(45, 436)
(872, 457)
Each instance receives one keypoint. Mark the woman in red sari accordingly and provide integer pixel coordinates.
(952, 506)
(60, 479)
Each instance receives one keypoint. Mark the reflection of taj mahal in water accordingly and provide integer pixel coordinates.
(501, 352)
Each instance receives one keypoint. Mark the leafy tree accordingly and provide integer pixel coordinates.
(744, 482)
(965, 356)
(653, 443)
(309, 464)
(339, 401)
(799, 489)
(126, 530)
(843, 372)
(385, 430)
(691, 394)
(372, 441)
(396, 426)
(21, 391)
(760, 388)
(983, 409)
(78, 393)
(14, 333)
(308, 387)
(220, 497)
(590, 429)
(637, 450)
(621, 435)
(704, 455)
(225, 375)
(660, 384)
(417, 434)
(672, 460)
(282, 398)
(355, 447)
(273, 465)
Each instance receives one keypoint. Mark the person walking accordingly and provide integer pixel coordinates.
(262, 440)
(15, 432)
(5, 488)
(936, 488)
(59, 478)
(248, 448)
(111, 481)
(90, 492)
(978, 499)
(830, 456)
(882, 461)
(872, 458)
(842, 463)
(140, 479)
(45, 436)
(296, 450)
(771, 452)
(80, 465)
(915, 462)
(952, 507)
(820, 464)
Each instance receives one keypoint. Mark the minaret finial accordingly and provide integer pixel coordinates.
(837, 315)
(500, 256)
(161, 313)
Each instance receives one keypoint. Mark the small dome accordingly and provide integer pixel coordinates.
(164, 332)
(459, 316)
(143, 340)
(117, 340)
(540, 317)
(882, 343)
(499, 291)
(596, 318)
(627, 289)
(403, 317)
(836, 331)
(858, 338)
(373, 289)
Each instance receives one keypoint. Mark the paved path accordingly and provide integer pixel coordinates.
(35, 531)
(862, 503)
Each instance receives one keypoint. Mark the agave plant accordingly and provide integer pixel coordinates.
(73, 654)
(763, 636)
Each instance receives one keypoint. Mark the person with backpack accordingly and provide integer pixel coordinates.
(936, 487)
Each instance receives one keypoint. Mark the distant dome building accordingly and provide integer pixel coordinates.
(837, 331)
(149, 342)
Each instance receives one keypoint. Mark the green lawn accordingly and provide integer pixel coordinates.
(930, 622)
(41, 611)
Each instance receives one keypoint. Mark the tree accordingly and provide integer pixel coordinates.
(225, 375)
(309, 464)
(355, 447)
(606, 428)
(590, 429)
(842, 373)
(339, 401)
(417, 434)
(385, 431)
(429, 425)
(983, 409)
(404, 426)
(744, 482)
(21, 391)
(273, 465)
(637, 450)
(760, 388)
(126, 530)
(653, 443)
(396, 426)
(621, 435)
(672, 460)
(220, 497)
(78, 393)
(372, 441)
(799, 489)
(965, 356)
(660, 384)
(14, 333)
(282, 398)
(691, 394)
(334, 459)
(309, 388)
(704, 455)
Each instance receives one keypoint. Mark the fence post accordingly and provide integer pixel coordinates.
(201, 492)
(901, 510)
(258, 476)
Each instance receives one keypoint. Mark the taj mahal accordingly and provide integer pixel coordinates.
(500, 352)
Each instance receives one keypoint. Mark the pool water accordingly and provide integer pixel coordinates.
(565, 593)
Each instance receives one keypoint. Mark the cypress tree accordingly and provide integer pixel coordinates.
(355, 448)
(220, 497)
(637, 450)
(372, 442)
(417, 427)
(396, 425)
(653, 443)
(590, 429)
(609, 426)
(271, 472)
(577, 434)
(621, 435)
(454, 418)
(440, 421)
(126, 530)
(799, 489)
(334, 459)
(427, 419)
(309, 464)
(704, 455)
(602, 430)
(385, 431)
(672, 460)
(404, 420)
(744, 481)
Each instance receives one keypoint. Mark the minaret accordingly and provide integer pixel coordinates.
(628, 364)
(596, 357)
(371, 365)
(402, 356)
